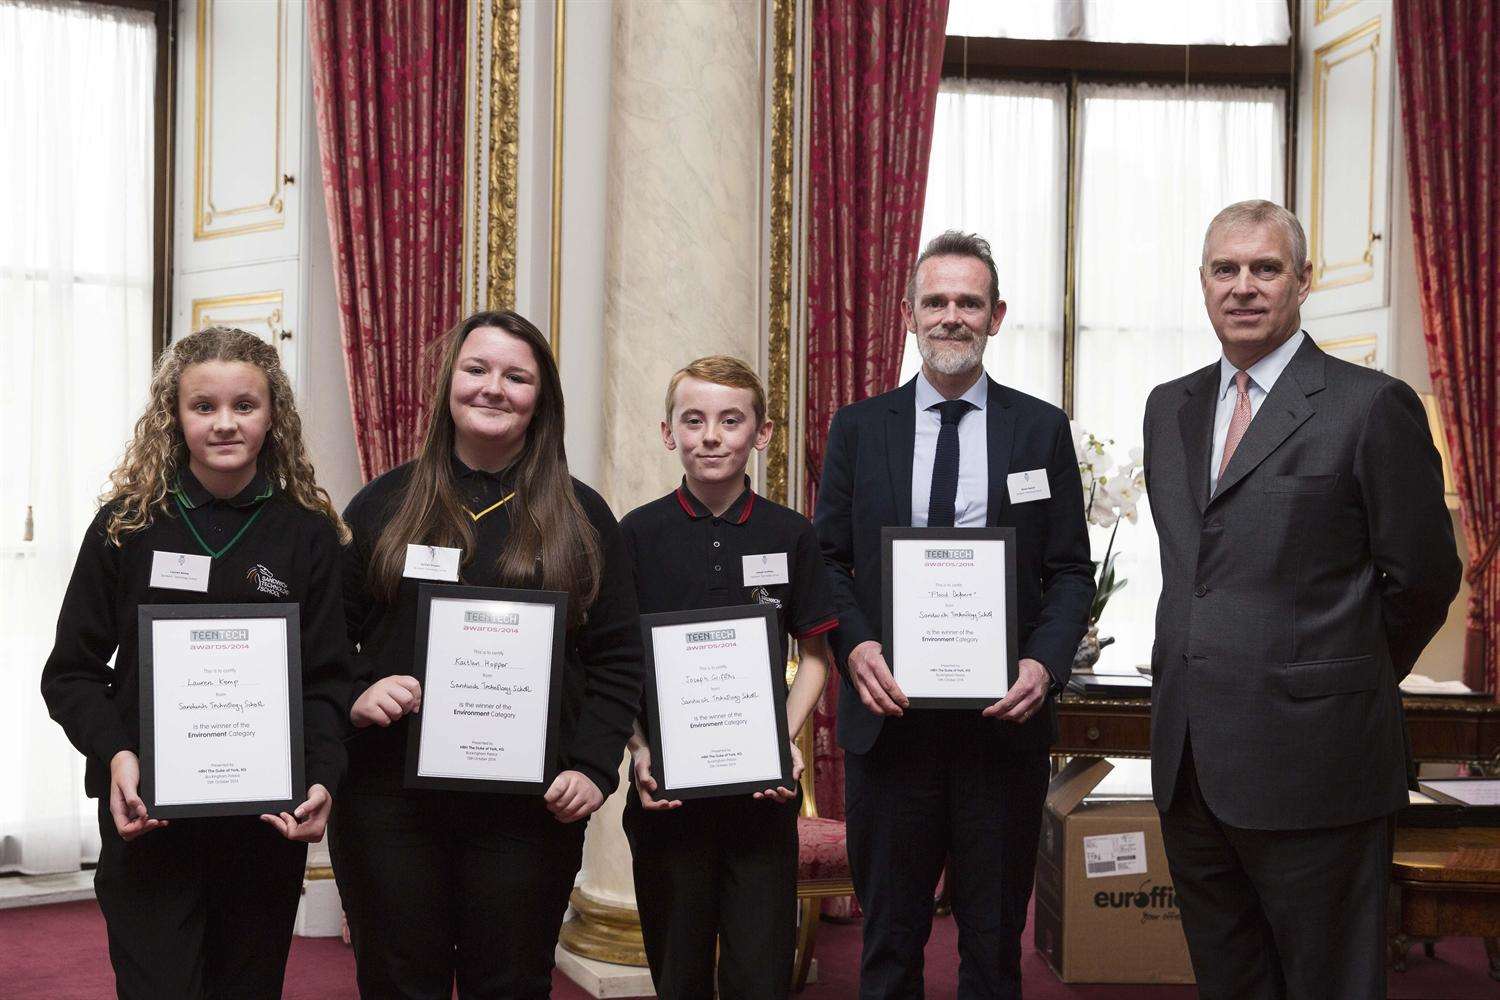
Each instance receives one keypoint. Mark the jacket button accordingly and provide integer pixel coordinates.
(1199, 590)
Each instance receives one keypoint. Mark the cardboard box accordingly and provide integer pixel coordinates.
(1106, 911)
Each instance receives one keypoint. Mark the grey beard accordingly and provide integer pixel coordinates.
(950, 362)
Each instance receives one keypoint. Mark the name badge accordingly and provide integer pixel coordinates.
(1027, 486)
(180, 571)
(431, 562)
(767, 568)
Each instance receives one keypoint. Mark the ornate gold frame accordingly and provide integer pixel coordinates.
(504, 151)
(1328, 56)
(783, 86)
(274, 299)
(204, 211)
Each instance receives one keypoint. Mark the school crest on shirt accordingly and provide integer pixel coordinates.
(763, 596)
(266, 581)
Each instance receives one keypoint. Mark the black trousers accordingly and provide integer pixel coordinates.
(943, 786)
(1278, 914)
(203, 908)
(441, 887)
(717, 871)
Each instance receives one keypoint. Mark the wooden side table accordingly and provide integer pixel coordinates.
(1448, 883)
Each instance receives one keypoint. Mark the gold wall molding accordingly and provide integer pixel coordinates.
(238, 310)
(504, 151)
(554, 280)
(206, 215)
(783, 87)
(1362, 41)
(1362, 349)
(1331, 8)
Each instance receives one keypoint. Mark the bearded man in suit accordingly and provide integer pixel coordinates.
(1307, 558)
(950, 448)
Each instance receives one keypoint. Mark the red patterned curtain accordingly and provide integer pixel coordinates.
(875, 71)
(1449, 54)
(388, 84)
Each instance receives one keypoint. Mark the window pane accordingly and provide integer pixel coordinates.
(997, 169)
(76, 162)
(1158, 164)
(1184, 22)
(1164, 22)
(1011, 19)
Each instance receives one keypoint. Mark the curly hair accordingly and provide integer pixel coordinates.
(140, 484)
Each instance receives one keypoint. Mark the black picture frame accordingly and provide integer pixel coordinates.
(888, 595)
(558, 602)
(776, 675)
(147, 616)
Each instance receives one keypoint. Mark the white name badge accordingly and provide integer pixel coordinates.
(1026, 486)
(767, 568)
(180, 571)
(431, 562)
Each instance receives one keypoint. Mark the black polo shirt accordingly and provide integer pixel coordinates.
(218, 523)
(686, 559)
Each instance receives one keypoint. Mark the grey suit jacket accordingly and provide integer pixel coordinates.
(1296, 597)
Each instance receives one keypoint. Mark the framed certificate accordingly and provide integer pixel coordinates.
(716, 697)
(490, 663)
(221, 709)
(950, 614)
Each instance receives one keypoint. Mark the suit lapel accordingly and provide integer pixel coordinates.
(1195, 419)
(1000, 423)
(1284, 409)
(900, 441)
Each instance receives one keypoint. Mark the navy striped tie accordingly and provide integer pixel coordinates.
(945, 464)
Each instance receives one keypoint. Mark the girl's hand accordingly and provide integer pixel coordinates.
(572, 797)
(779, 794)
(125, 805)
(386, 701)
(307, 822)
(640, 766)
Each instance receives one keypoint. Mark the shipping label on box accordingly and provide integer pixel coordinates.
(1115, 854)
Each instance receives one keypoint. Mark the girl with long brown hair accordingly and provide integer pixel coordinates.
(216, 467)
(441, 886)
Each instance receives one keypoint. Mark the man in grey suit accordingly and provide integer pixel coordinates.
(1307, 558)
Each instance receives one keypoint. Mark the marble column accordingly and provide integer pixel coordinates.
(681, 275)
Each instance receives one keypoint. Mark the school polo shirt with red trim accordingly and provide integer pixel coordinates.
(686, 559)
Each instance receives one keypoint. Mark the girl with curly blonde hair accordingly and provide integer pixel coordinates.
(215, 502)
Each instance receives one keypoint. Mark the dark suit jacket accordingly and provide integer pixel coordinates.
(866, 486)
(1295, 599)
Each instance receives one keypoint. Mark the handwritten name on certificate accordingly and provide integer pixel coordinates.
(949, 618)
(485, 696)
(716, 710)
(222, 726)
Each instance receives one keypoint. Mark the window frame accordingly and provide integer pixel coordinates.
(1074, 62)
(164, 113)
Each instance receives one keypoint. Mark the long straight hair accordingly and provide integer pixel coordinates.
(551, 543)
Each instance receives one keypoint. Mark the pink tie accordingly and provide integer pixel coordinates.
(1240, 421)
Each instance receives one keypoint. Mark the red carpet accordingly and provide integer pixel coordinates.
(59, 953)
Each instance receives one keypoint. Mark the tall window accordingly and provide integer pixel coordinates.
(1036, 138)
(77, 112)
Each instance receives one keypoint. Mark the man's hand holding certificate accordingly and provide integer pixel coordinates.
(951, 615)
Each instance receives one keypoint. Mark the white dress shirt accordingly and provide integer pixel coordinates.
(971, 505)
(1263, 376)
